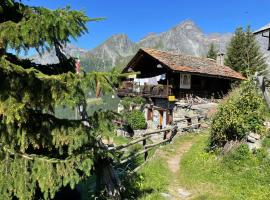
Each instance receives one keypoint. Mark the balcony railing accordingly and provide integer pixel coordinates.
(129, 88)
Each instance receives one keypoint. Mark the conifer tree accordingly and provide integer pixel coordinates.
(40, 153)
(243, 53)
(212, 53)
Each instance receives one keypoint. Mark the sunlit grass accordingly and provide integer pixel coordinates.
(212, 177)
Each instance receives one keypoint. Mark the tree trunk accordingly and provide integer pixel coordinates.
(106, 179)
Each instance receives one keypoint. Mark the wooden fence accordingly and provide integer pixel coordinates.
(166, 134)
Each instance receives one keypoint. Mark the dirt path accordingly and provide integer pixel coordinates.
(174, 162)
(176, 192)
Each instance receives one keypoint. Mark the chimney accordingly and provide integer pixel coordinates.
(220, 58)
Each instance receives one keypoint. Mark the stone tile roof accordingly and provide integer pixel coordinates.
(192, 64)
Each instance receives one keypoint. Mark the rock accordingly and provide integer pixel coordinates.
(166, 196)
(251, 146)
(251, 139)
(138, 133)
(267, 124)
(254, 135)
(150, 124)
(123, 132)
(207, 110)
(254, 146)
(183, 193)
(230, 145)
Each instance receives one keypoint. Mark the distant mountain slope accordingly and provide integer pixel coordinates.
(114, 52)
(185, 38)
(50, 57)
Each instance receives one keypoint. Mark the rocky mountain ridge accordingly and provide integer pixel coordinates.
(185, 38)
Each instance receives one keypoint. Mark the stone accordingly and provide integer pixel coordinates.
(251, 139)
(138, 133)
(254, 146)
(230, 145)
(254, 135)
(267, 124)
(183, 193)
(123, 132)
(150, 124)
(166, 196)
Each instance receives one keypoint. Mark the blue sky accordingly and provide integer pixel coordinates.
(139, 17)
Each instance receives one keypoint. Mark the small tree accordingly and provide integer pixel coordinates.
(212, 53)
(243, 53)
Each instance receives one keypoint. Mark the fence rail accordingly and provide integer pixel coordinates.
(168, 135)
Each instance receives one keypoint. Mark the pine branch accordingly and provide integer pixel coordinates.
(86, 153)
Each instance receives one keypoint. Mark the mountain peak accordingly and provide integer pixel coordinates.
(187, 24)
(117, 37)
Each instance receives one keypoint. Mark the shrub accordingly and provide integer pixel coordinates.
(136, 120)
(128, 101)
(241, 112)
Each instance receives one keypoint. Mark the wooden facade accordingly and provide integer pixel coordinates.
(164, 78)
(200, 77)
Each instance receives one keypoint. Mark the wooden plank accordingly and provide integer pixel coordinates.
(157, 143)
(130, 143)
(159, 131)
(144, 136)
(134, 155)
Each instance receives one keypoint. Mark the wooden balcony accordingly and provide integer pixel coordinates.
(131, 89)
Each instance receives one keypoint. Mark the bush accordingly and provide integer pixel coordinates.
(128, 101)
(243, 111)
(136, 120)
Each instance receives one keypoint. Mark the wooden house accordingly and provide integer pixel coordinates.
(164, 78)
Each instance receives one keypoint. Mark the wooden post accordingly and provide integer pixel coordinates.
(165, 135)
(146, 153)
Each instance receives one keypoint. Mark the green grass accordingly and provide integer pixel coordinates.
(156, 174)
(236, 176)
(240, 175)
(156, 177)
(266, 142)
(118, 140)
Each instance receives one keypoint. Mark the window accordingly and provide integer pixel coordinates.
(185, 81)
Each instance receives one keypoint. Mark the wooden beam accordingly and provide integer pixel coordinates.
(130, 143)
(134, 155)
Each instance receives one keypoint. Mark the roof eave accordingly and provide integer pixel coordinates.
(210, 75)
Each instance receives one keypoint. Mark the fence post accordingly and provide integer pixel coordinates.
(146, 153)
(165, 135)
